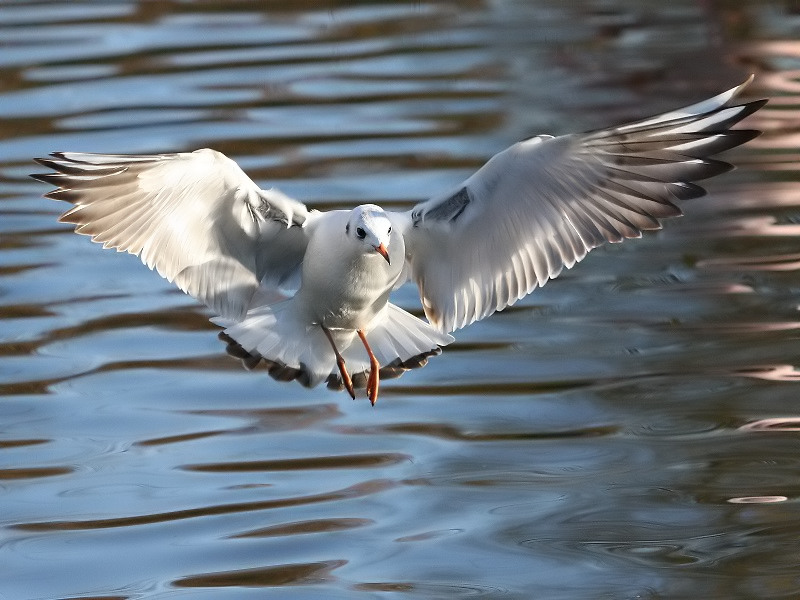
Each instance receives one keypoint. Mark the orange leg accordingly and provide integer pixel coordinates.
(374, 371)
(348, 383)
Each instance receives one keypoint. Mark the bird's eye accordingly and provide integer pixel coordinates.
(361, 233)
(390, 230)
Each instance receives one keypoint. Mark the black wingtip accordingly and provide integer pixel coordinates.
(55, 179)
(712, 168)
(47, 163)
(742, 136)
(685, 190)
(40, 177)
(745, 110)
(753, 106)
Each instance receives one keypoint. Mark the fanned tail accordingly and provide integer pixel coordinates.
(400, 342)
(291, 350)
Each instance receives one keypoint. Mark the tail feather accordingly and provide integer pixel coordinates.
(292, 350)
(397, 334)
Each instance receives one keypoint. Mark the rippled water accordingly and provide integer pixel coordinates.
(629, 431)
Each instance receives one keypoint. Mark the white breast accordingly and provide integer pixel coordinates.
(342, 286)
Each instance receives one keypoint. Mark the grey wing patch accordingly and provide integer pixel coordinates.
(264, 211)
(274, 205)
(448, 209)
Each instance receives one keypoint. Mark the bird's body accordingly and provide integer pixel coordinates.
(342, 286)
(308, 291)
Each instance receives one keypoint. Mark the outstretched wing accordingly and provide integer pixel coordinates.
(196, 218)
(542, 204)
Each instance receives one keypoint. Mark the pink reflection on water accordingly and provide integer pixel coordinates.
(773, 424)
(757, 500)
(773, 262)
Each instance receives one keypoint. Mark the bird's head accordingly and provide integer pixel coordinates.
(370, 226)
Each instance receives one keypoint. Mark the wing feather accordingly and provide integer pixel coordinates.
(195, 218)
(544, 203)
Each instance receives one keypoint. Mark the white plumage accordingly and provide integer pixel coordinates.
(298, 287)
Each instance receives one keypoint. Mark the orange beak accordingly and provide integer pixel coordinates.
(383, 252)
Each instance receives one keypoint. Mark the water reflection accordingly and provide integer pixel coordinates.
(307, 527)
(628, 431)
(277, 575)
(758, 499)
(773, 424)
(367, 487)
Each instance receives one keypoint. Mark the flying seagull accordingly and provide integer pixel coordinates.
(308, 291)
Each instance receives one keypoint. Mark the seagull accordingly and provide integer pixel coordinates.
(307, 291)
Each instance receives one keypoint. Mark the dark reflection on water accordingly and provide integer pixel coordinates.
(306, 527)
(366, 487)
(629, 431)
(279, 575)
(348, 461)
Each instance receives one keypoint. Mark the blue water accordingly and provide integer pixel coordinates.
(628, 431)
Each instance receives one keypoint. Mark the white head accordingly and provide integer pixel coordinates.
(370, 226)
